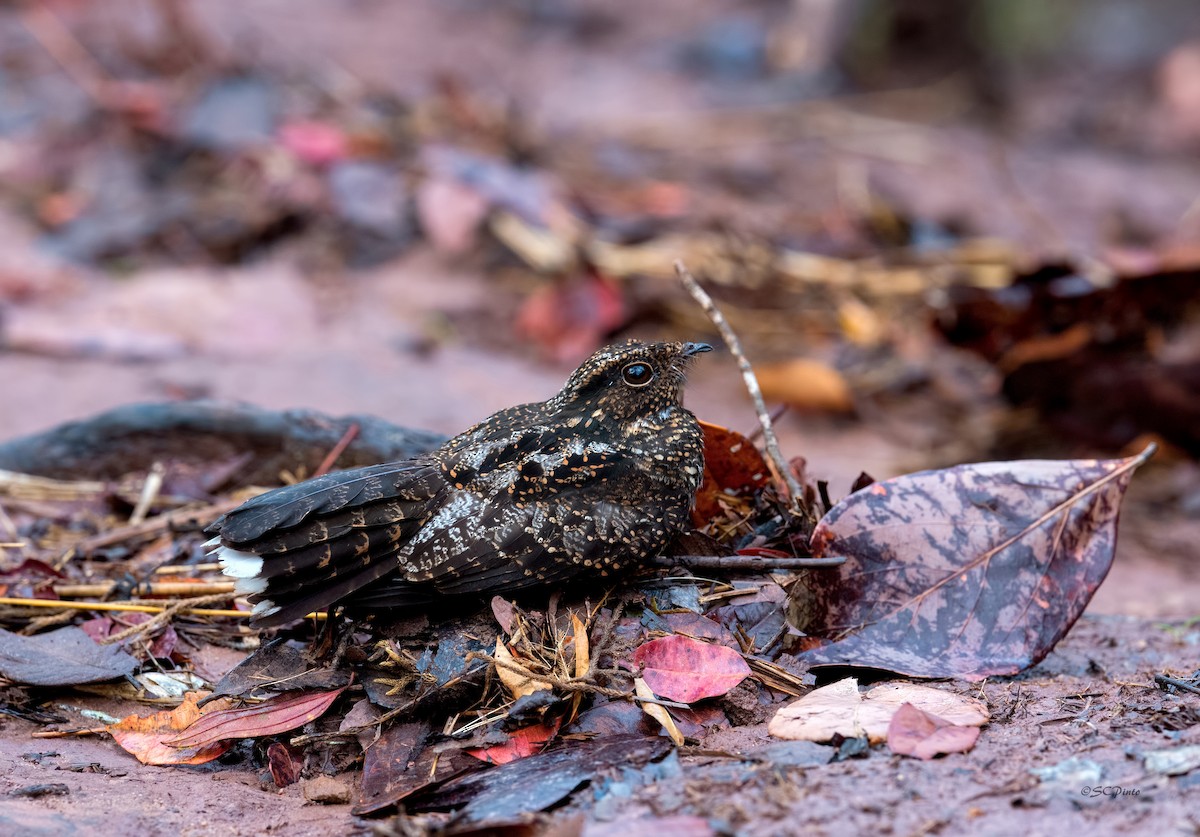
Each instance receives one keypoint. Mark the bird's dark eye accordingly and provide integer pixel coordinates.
(638, 374)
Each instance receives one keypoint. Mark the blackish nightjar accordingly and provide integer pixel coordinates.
(590, 482)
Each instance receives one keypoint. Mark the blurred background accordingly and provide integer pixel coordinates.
(946, 230)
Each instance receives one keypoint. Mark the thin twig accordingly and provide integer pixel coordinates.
(336, 451)
(126, 607)
(150, 489)
(746, 562)
(779, 413)
(68, 733)
(160, 588)
(154, 525)
(163, 618)
(186, 569)
(751, 380)
(1163, 680)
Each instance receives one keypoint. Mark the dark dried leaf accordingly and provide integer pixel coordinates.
(277, 667)
(761, 623)
(103, 627)
(699, 627)
(398, 765)
(538, 782)
(283, 764)
(617, 717)
(65, 657)
(971, 571)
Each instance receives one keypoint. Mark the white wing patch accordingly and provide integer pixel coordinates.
(238, 564)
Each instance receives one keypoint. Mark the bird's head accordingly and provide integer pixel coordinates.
(628, 381)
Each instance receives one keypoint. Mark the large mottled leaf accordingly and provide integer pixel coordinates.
(65, 657)
(969, 572)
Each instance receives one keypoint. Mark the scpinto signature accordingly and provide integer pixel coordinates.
(1113, 791)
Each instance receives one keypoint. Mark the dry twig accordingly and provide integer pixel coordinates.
(751, 563)
(123, 607)
(164, 617)
(159, 588)
(764, 418)
(336, 451)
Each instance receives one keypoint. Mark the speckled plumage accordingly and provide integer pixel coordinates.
(594, 480)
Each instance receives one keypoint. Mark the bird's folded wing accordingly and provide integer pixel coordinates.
(305, 546)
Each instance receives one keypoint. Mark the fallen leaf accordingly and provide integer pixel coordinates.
(521, 744)
(283, 765)
(316, 143)
(732, 466)
(534, 784)
(450, 213)
(914, 732)
(806, 384)
(699, 627)
(102, 627)
(63, 657)
(1175, 761)
(840, 709)
(146, 737)
(270, 717)
(583, 660)
(657, 712)
(972, 571)
(505, 613)
(398, 765)
(518, 682)
(277, 667)
(686, 670)
(569, 319)
(762, 623)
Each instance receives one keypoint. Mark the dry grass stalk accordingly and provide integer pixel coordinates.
(775, 455)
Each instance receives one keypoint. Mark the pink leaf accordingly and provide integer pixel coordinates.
(685, 669)
(914, 732)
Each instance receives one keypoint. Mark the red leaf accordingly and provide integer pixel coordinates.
(317, 143)
(968, 572)
(684, 669)
(569, 319)
(524, 742)
(732, 466)
(267, 718)
(914, 732)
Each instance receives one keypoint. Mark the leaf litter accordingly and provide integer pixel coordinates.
(549, 676)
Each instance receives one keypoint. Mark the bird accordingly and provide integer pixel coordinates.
(587, 484)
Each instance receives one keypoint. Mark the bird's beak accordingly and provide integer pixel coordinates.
(690, 349)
